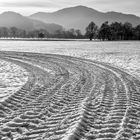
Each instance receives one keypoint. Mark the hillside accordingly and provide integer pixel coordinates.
(12, 19)
(79, 17)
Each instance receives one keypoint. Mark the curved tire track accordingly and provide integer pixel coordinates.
(67, 98)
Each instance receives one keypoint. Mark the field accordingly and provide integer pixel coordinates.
(69, 90)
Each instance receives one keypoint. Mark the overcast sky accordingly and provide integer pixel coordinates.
(27, 7)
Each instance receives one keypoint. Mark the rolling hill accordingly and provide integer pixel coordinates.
(12, 19)
(79, 17)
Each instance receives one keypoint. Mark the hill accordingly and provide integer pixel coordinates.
(12, 19)
(79, 17)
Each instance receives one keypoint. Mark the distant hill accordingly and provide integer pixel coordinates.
(10, 19)
(79, 17)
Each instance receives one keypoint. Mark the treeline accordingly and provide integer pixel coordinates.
(72, 33)
(113, 31)
(14, 32)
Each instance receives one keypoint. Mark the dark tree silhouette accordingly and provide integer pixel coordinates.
(116, 31)
(41, 35)
(105, 31)
(14, 32)
(91, 30)
(137, 32)
(78, 34)
(4, 32)
(113, 31)
(128, 31)
(119, 31)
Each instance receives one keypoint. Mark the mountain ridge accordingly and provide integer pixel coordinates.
(78, 17)
(12, 19)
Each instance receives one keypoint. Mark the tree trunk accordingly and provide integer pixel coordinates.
(90, 38)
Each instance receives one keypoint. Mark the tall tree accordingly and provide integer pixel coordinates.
(128, 31)
(4, 32)
(116, 31)
(78, 34)
(137, 32)
(105, 31)
(13, 32)
(41, 35)
(91, 30)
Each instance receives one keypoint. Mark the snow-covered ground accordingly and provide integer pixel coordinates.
(12, 77)
(129, 62)
(77, 93)
(125, 54)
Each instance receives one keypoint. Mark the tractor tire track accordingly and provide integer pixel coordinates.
(67, 98)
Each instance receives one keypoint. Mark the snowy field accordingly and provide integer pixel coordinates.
(45, 96)
(125, 54)
(12, 78)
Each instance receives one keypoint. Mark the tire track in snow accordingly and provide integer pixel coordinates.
(67, 98)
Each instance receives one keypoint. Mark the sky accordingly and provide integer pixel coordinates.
(28, 7)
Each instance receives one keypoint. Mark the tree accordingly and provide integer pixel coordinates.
(128, 31)
(105, 31)
(137, 32)
(78, 34)
(13, 32)
(116, 31)
(91, 30)
(4, 32)
(41, 35)
(22, 33)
